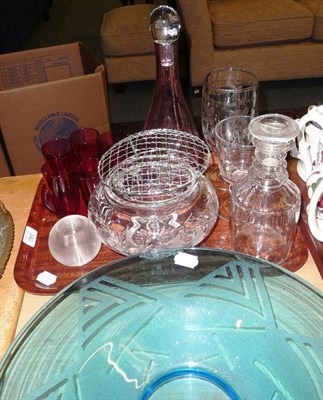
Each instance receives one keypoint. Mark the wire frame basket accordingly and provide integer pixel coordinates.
(154, 165)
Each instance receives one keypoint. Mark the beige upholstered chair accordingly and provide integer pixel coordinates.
(129, 53)
(276, 39)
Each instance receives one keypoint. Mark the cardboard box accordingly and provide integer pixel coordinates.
(48, 93)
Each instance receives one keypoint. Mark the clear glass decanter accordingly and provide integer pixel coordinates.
(265, 206)
(168, 108)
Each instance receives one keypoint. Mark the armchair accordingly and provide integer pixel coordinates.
(275, 40)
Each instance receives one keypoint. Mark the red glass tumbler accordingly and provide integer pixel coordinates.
(86, 147)
(58, 154)
(63, 191)
(87, 150)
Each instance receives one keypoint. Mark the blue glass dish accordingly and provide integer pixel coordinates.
(143, 327)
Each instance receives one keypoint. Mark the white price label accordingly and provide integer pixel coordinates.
(186, 260)
(46, 278)
(30, 236)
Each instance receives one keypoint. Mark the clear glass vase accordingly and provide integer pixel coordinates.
(265, 206)
(168, 108)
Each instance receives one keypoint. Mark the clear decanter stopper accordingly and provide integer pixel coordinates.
(265, 207)
(168, 108)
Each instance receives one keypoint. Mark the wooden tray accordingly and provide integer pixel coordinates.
(31, 261)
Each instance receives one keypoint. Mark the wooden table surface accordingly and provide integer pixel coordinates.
(17, 194)
(17, 307)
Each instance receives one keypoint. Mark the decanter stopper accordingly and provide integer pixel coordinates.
(168, 108)
(165, 25)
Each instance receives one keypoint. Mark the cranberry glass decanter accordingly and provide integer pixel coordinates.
(153, 193)
(168, 108)
(265, 206)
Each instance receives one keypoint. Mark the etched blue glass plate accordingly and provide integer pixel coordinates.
(145, 327)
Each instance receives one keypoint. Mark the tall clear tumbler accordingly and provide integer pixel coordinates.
(227, 92)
